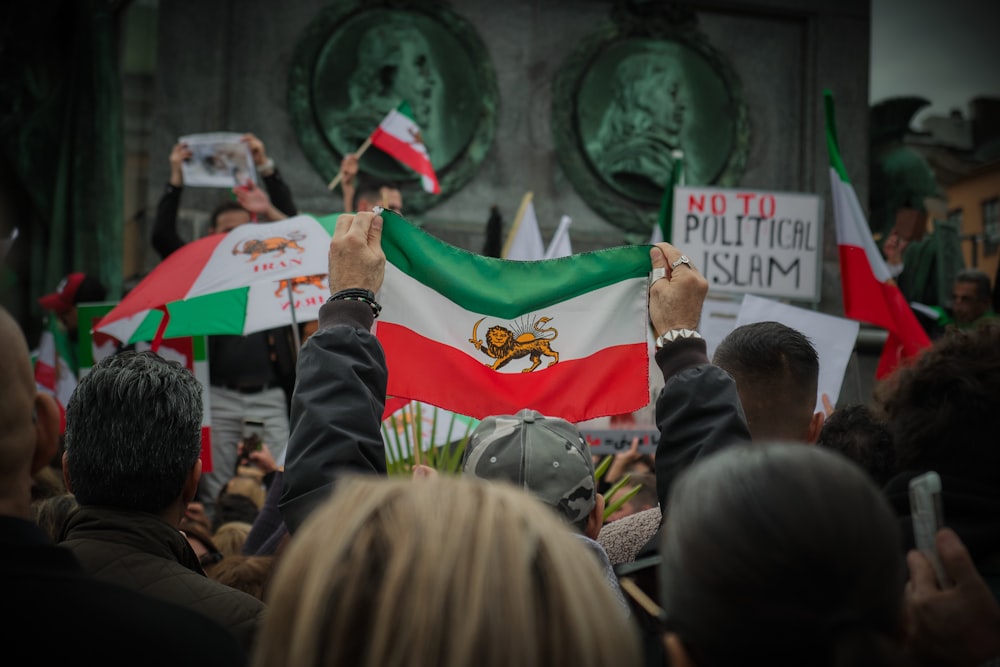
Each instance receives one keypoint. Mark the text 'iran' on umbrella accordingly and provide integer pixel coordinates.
(255, 277)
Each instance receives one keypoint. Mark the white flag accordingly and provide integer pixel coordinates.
(525, 240)
(560, 246)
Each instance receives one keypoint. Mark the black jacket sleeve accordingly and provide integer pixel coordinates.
(698, 411)
(280, 194)
(337, 405)
(165, 237)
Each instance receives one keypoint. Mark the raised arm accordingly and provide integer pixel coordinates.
(339, 396)
(698, 410)
(165, 238)
(278, 192)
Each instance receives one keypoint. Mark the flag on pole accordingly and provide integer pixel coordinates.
(560, 245)
(399, 135)
(524, 242)
(55, 367)
(481, 336)
(869, 293)
(665, 221)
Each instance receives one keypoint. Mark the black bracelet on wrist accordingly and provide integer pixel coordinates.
(358, 294)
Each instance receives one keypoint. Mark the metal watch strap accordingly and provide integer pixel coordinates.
(674, 334)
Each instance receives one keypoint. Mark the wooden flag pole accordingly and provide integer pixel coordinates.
(358, 153)
(517, 222)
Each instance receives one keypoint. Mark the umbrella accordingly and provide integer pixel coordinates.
(255, 277)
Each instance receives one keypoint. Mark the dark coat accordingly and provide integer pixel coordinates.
(336, 409)
(142, 552)
(60, 615)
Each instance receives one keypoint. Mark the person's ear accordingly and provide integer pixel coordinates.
(191, 483)
(596, 518)
(815, 426)
(677, 655)
(47, 425)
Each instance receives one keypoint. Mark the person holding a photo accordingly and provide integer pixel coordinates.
(253, 375)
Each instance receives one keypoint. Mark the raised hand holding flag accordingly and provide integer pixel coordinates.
(399, 135)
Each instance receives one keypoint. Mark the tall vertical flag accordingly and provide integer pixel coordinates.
(665, 220)
(870, 295)
(524, 242)
(481, 336)
(560, 245)
(399, 135)
(55, 366)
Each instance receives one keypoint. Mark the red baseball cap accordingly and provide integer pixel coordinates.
(73, 289)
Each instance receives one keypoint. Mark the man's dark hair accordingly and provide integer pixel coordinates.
(942, 408)
(370, 188)
(857, 433)
(224, 207)
(776, 370)
(133, 432)
(978, 278)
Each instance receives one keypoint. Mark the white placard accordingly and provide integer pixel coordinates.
(833, 337)
(218, 160)
(751, 242)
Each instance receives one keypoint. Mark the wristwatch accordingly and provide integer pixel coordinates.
(267, 168)
(674, 334)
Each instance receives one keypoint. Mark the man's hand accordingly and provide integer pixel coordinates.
(260, 458)
(356, 257)
(675, 301)
(256, 201)
(348, 176)
(256, 147)
(178, 155)
(348, 169)
(621, 463)
(957, 626)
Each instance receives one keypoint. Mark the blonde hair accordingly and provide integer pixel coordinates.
(230, 537)
(447, 572)
(249, 574)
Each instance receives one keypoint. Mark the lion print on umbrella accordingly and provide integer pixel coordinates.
(526, 340)
(279, 244)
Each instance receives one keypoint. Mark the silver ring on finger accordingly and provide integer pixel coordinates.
(683, 259)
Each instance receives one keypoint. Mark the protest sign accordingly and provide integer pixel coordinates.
(751, 242)
(218, 160)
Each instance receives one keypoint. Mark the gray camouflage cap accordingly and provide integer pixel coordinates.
(544, 455)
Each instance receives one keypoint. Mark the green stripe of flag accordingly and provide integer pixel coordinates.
(499, 287)
(832, 145)
(221, 313)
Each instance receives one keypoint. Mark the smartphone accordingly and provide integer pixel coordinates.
(253, 434)
(928, 517)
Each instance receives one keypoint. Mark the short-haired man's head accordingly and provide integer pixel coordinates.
(776, 369)
(941, 408)
(544, 455)
(971, 295)
(133, 432)
(757, 567)
(377, 192)
(226, 217)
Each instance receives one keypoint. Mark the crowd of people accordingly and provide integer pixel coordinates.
(767, 533)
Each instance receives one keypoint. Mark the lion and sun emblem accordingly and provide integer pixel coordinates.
(523, 339)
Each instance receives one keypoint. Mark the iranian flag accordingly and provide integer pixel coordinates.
(481, 336)
(399, 136)
(54, 367)
(869, 293)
